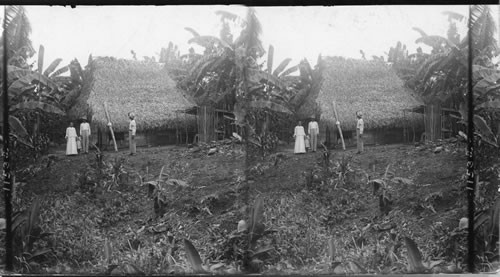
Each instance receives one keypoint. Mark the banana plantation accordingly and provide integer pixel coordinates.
(224, 158)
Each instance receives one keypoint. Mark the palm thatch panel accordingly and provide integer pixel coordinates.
(368, 86)
(133, 86)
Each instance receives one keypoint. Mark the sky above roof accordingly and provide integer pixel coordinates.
(295, 32)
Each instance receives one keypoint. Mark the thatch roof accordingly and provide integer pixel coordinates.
(133, 86)
(368, 86)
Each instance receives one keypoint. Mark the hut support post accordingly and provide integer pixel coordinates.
(110, 127)
(338, 125)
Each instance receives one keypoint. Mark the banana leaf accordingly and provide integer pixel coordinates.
(192, 31)
(281, 66)
(270, 57)
(34, 105)
(256, 76)
(52, 67)
(272, 105)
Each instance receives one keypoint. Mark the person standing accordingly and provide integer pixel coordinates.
(131, 133)
(313, 131)
(299, 135)
(360, 126)
(85, 134)
(71, 140)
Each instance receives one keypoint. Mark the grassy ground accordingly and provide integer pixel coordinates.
(318, 214)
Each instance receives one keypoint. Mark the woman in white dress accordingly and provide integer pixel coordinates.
(71, 140)
(299, 135)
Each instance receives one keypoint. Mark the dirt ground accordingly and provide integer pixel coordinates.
(221, 188)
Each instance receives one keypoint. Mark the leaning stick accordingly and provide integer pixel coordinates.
(110, 127)
(338, 125)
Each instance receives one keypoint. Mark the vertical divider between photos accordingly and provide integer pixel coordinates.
(471, 182)
(7, 184)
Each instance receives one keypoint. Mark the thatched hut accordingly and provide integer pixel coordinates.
(134, 86)
(373, 88)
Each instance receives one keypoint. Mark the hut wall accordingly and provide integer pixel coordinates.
(433, 124)
(206, 123)
(144, 139)
(371, 137)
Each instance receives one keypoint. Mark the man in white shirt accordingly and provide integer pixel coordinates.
(131, 133)
(360, 126)
(313, 131)
(85, 134)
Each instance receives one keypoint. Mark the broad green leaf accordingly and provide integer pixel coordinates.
(193, 257)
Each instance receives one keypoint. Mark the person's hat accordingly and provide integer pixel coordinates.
(360, 113)
(131, 114)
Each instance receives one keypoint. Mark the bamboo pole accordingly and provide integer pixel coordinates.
(338, 125)
(110, 127)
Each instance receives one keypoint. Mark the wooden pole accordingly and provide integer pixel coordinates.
(338, 125)
(110, 127)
